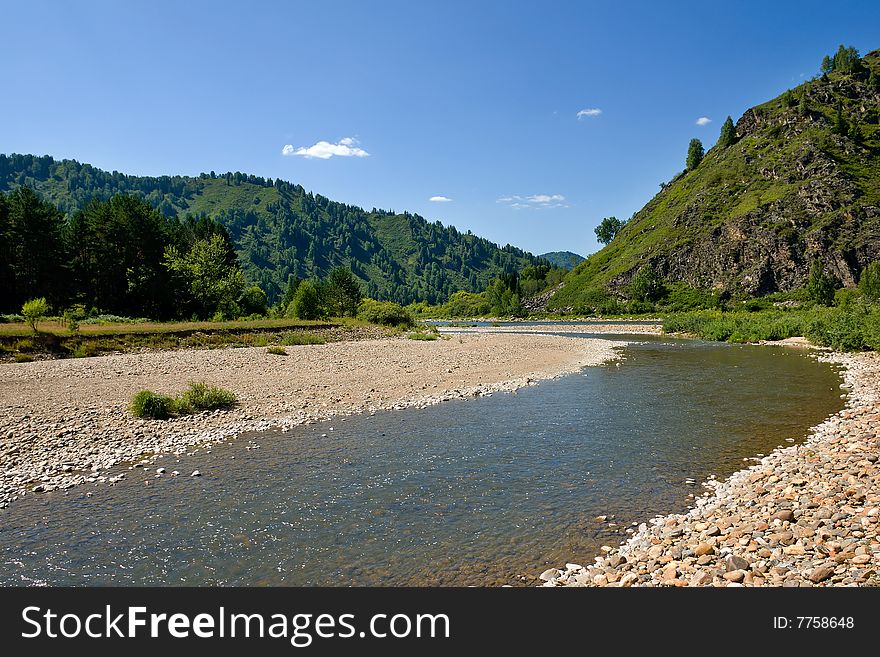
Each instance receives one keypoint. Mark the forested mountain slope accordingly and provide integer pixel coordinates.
(281, 230)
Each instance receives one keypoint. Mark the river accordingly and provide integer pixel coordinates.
(487, 491)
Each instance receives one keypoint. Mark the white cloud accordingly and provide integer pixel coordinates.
(589, 111)
(544, 199)
(518, 202)
(704, 120)
(324, 150)
(440, 199)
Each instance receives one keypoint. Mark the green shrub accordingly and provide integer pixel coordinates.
(291, 338)
(847, 297)
(386, 313)
(869, 281)
(198, 397)
(820, 285)
(85, 350)
(253, 301)
(25, 346)
(277, 351)
(202, 397)
(148, 404)
(646, 284)
(35, 310)
(681, 298)
(467, 304)
(23, 358)
(737, 326)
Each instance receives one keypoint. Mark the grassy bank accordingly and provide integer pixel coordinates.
(21, 344)
(852, 328)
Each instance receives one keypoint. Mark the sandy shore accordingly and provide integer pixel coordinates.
(65, 422)
(805, 515)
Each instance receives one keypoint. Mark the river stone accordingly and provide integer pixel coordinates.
(550, 573)
(703, 549)
(628, 579)
(820, 574)
(701, 578)
(670, 572)
(734, 576)
(734, 562)
(784, 515)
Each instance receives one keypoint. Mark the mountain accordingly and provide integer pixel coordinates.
(563, 259)
(800, 181)
(280, 230)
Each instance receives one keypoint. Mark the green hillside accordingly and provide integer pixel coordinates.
(800, 181)
(280, 230)
(562, 259)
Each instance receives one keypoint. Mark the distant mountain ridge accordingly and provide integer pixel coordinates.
(563, 259)
(281, 230)
(800, 181)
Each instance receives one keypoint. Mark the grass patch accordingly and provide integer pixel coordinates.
(198, 397)
(23, 358)
(148, 404)
(85, 350)
(129, 327)
(277, 351)
(291, 338)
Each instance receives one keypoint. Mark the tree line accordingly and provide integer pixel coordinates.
(119, 256)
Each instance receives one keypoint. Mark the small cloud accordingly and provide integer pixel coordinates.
(440, 199)
(704, 120)
(533, 201)
(544, 199)
(324, 150)
(587, 112)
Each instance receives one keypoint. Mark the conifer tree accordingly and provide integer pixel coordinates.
(827, 65)
(695, 154)
(728, 133)
(841, 127)
(803, 108)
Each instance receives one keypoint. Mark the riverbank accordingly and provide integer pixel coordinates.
(611, 328)
(805, 515)
(65, 422)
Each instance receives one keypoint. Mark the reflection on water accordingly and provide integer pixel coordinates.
(472, 492)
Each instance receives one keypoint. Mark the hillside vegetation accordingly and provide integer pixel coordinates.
(281, 231)
(796, 180)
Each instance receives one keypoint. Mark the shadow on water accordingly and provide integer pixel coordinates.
(484, 491)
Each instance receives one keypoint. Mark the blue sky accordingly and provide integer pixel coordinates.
(388, 104)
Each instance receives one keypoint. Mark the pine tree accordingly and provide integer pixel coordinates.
(841, 127)
(874, 81)
(827, 65)
(803, 108)
(728, 133)
(695, 154)
(787, 98)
